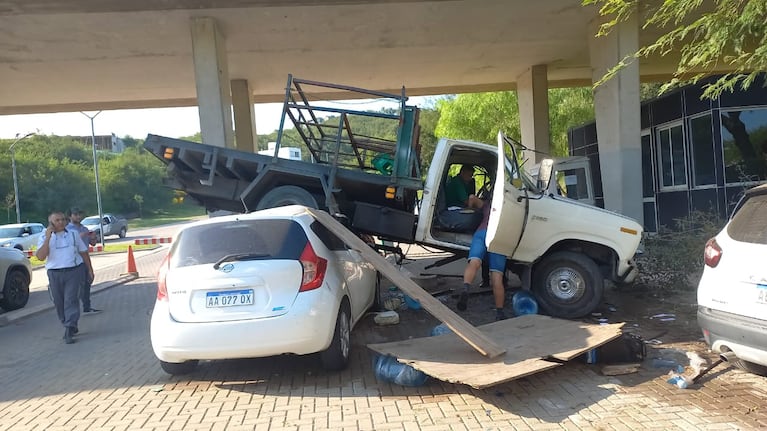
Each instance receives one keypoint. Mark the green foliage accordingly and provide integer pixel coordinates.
(479, 116)
(708, 36)
(673, 258)
(56, 173)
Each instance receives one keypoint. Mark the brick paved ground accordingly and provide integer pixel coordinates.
(110, 380)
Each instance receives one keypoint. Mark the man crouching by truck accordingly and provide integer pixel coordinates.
(497, 262)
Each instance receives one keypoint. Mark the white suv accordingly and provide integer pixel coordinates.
(732, 293)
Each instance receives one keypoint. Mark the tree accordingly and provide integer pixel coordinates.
(709, 36)
(479, 116)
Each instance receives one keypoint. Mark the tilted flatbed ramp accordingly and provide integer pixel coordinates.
(478, 341)
(528, 340)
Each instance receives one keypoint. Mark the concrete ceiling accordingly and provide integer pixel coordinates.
(69, 55)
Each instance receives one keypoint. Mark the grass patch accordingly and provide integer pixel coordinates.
(175, 214)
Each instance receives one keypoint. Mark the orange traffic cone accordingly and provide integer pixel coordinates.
(131, 264)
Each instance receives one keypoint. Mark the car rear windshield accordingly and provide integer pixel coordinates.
(750, 222)
(261, 239)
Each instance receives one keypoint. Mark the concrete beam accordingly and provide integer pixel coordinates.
(533, 94)
(244, 116)
(617, 108)
(211, 72)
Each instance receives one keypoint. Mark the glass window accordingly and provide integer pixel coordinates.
(648, 190)
(671, 154)
(702, 144)
(749, 224)
(744, 140)
(263, 239)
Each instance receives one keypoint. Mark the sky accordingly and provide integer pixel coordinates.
(137, 123)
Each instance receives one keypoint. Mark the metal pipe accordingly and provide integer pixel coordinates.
(96, 174)
(15, 179)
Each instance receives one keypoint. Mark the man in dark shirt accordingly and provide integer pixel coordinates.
(457, 193)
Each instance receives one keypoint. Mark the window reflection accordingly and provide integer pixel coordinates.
(744, 138)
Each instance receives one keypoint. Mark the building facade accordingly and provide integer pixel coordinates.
(697, 155)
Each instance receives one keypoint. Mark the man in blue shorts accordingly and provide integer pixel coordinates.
(497, 263)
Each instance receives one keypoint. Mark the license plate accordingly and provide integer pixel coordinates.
(761, 294)
(229, 298)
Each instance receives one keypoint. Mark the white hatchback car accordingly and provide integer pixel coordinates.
(732, 293)
(267, 283)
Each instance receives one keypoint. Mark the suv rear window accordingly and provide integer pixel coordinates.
(273, 238)
(749, 224)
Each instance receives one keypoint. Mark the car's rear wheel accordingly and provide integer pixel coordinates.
(15, 290)
(174, 368)
(751, 367)
(568, 285)
(123, 232)
(336, 357)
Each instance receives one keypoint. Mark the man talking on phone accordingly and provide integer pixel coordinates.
(64, 253)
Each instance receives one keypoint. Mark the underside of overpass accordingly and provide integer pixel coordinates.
(70, 55)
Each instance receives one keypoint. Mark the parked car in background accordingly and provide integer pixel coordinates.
(266, 283)
(16, 273)
(23, 236)
(732, 293)
(112, 224)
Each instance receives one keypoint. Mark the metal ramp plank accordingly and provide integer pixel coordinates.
(467, 332)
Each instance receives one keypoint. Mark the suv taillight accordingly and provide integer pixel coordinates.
(162, 273)
(712, 253)
(314, 269)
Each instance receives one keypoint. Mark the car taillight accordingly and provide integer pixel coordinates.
(712, 253)
(162, 274)
(314, 269)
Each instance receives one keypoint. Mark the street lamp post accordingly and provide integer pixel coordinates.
(15, 179)
(96, 174)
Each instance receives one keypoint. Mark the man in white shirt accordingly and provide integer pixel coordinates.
(63, 253)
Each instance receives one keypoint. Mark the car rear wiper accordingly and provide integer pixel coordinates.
(239, 256)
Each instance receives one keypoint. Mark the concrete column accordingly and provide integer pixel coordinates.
(211, 72)
(617, 108)
(533, 94)
(244, 116)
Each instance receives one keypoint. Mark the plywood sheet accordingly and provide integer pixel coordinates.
(528, 340)
(478, 340)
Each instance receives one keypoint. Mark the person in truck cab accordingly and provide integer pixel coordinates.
(459, 191)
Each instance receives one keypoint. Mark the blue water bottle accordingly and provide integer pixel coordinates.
(523, 303)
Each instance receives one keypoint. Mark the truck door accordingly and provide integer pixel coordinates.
(508, 212)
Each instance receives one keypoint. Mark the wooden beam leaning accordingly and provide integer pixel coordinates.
(470, 334)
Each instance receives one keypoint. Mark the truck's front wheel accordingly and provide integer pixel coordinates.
(287, 195)
(567, 284)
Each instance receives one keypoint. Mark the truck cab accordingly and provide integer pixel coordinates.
(561, 249)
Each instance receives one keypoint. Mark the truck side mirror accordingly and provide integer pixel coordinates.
(544, 174)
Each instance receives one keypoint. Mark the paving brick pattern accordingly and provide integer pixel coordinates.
(110, 380)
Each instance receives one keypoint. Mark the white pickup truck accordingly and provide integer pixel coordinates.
(561, 248)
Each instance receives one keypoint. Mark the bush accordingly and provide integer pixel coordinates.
(673, 258)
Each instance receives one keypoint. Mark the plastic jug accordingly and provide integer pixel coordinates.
(523, 303)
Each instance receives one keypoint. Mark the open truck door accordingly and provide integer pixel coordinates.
(508, 212)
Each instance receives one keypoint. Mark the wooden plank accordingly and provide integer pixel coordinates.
(529, 341)
(471, 335)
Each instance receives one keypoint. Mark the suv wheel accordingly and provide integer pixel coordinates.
(15, 290)
(336, 357)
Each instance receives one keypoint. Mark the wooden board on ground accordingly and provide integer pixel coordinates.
(471, 335)
(529, 340)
